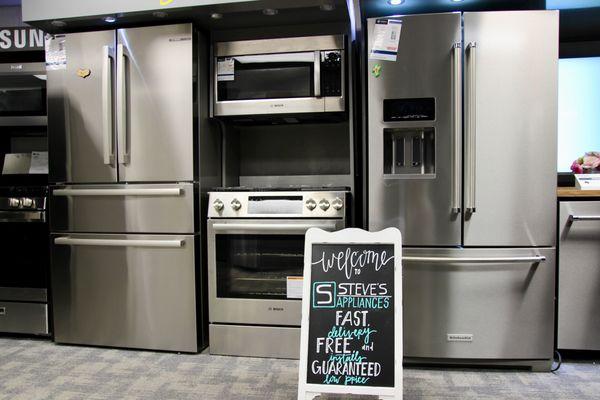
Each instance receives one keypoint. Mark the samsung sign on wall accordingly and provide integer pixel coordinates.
(21, 39)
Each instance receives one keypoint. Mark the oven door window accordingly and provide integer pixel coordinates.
(276, 76)
(25, 255)
(22, 95)
(257, 266)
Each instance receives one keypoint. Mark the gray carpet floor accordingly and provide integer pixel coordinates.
(37, 369)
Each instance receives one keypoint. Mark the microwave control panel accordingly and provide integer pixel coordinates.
(331, 73)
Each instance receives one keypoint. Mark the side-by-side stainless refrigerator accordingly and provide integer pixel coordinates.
(125, 266)
(461, 158)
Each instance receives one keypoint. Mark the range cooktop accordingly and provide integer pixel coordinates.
(291, 188)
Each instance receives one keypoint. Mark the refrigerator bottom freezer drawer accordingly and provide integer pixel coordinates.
(131, 291)
(479, 303)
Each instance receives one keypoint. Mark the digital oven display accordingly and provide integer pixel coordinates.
(275, 205)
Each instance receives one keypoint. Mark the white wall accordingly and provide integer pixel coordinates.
(10, 16)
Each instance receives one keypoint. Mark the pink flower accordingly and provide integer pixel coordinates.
(576, 168)
(591, 160)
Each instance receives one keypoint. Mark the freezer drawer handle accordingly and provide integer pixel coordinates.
(272, 227)
(573, 218)
(119, 192)
(476, 260)
(69, 241)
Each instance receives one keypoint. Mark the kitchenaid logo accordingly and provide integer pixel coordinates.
(15, 39)
(460, 337)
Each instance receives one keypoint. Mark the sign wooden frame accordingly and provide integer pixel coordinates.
(351, 236)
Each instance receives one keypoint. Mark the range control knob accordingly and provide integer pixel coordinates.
(311, 204)
(324, 204)
(337, 204)
(27, 202)
(14, 203)
(218, 205)
(235, 204)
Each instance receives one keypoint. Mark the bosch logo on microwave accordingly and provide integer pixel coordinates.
(277, 105)
(276, 309)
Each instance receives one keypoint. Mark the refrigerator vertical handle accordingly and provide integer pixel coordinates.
(471, 127)
(457, 126)
(122, 105)
(107, 114)
(317, 72)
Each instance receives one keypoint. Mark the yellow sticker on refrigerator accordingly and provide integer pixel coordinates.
(386, 37)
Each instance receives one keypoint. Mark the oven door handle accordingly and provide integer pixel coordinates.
(287, 228)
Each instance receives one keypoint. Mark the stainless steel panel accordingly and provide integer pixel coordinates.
(255, 311)
(420, 206)
(491, 309)
(157, 208)
(76, 111)
(27, 318)
(254, 341)
(24, 121)
(156, 139)
(579, 276)
(136, 297)
(282, 45)
(226, 199)
(24, 294)
(514, 121)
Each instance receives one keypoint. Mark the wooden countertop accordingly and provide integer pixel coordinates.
(565, 192)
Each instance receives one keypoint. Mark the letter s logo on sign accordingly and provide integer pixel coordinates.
(165, 2)
(324, 294)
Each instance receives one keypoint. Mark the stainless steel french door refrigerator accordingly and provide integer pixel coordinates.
(125, 230)
(461, 158)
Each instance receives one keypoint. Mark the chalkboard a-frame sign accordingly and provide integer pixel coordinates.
(351, 339)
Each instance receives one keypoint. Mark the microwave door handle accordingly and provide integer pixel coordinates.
(317, 69)
(107, 116)
(122, 105)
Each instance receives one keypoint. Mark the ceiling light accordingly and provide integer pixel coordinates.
(216, 16)
(59, 24)
(270, 11)
(457, 1)
(109, 19)
(327, 7)
(159, 14)
(395, 2)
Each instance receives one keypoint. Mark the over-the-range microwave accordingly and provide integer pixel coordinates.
(296, 75)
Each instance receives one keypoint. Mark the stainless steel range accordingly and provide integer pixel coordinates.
(255, 265)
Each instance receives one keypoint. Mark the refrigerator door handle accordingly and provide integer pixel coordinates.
(69, 241)
(471, 124)
(154, 192)
(107, 114)
(457, 80)
(477, 260)
(122, 105)
(573, 218)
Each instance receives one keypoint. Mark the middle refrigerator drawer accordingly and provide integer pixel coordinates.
(154, 208)
(479, 303)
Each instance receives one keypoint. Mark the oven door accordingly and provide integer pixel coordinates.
(282, 83)
(23, 94)
(250, 265)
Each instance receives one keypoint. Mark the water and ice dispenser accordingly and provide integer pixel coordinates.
(409, 149)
